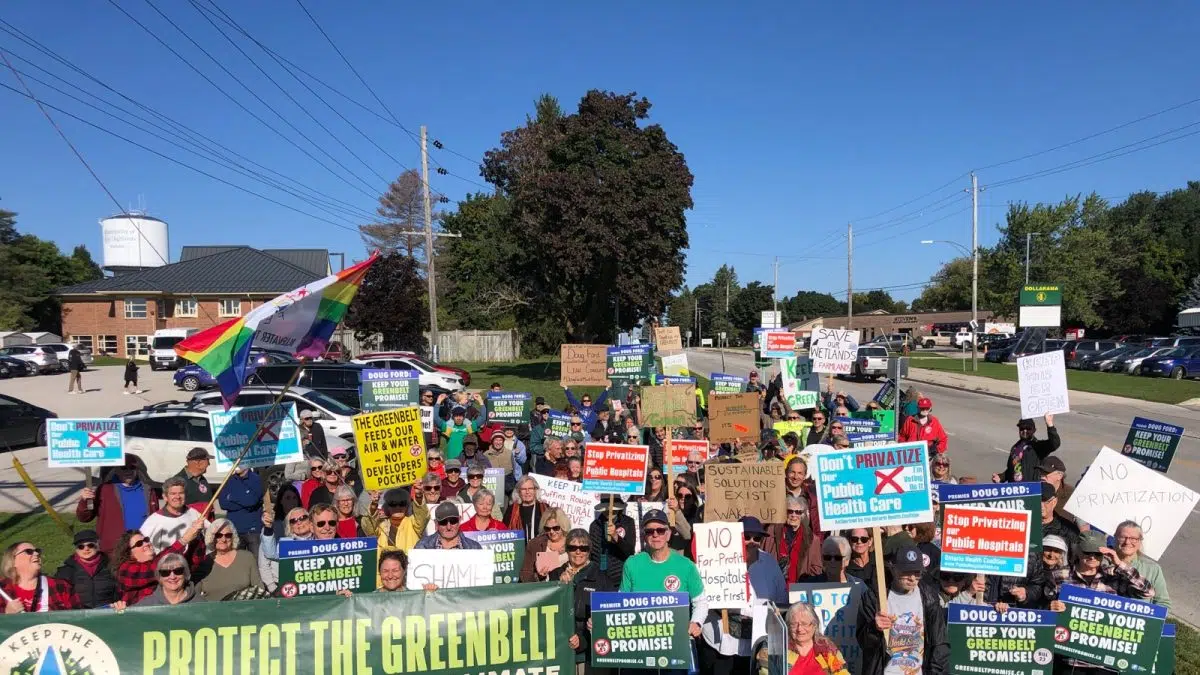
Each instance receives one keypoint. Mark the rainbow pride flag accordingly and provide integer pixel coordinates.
(299, 323)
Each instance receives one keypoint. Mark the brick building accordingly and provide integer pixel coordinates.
(209, 285)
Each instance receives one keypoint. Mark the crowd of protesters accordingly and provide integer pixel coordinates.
(151, 546)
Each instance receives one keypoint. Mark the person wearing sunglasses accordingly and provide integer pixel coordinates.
(175, 585)
(862, 559)
(324, 521)
(447, 535)
(298, 525)
(24, 586)
(226, 569)
(134, 561)
(924, 426)
(819, 431)
(475, 473)
(911, 635)
(585, 578)
(586, 409)
(1100, 568)
(795, 543)
(940, 470)
(656, 487)
(89, 572)
(547, 551)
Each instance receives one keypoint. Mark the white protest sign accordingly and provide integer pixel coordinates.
(1043, 382)
(676, 364)
(569, 496)
(836, 605)
(833, 351)
(800, 384)
(721, 559)
(1117, 488)
(427, 419)
(453, 568)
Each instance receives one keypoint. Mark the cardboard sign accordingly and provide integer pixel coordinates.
(508, 552)
(86, 442)
(621, 623)
(1116, 488)
(381, 389)
(670, 405)
(873, 487)
(667, 339)
(837, 608)
(391, 448)
(980, 540)
(1115, 632)
(1010, 496)
(800, 384)
(508, 407)
(1017, 642)
(750, 489)
(278, 442)
(324, 567)
(1043, 382)
(675, 364)
(630, 363)
(680, 449)
(833, 351)
(616, 468)
(584, 365)
(778, 344)
(721, 559)
(1152, 443)
(453, 568)
(569, 496)
(727, 384)
(734, 416)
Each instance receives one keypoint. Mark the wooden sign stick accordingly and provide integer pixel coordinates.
(880, 584)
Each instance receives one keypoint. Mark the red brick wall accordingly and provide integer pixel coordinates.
(107, 317)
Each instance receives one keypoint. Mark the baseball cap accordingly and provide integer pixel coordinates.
(198, 453)
(618, 504)
(86, 535)
(453, 465)
(752, 525)
(924, 402)
(1052, 463)
(654, 516)
(1048, 491)
(1091, 542)
(1055, 542)
(307, 415)
(337, 452)
(446, 510)
(908, 559)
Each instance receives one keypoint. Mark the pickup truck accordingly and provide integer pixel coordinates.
(870, 362)
(941, 338)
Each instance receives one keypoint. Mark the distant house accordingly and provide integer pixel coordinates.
(11, 338)
(43, 338)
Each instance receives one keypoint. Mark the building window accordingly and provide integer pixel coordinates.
(83, 341)
(108, 344)
(186, 307)
(229, 307)
(137, 345)
(135, 308)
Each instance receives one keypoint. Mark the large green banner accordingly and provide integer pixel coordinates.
(514, 628)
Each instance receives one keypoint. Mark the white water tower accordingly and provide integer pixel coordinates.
(134, 241)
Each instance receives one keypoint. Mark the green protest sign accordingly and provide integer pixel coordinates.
(558, 424)
(508, 407)
(324, 567)
(513, 628)
(1164, 662)
(986, 642)
(886, 419)
(387, 389)
(508, 549)
(1152, 444)
(640, 630)
(1108, 630)
(630, 363)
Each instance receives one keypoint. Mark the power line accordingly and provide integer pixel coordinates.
(919, 227)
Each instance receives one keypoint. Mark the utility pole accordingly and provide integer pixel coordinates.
(849, 275)
(775, 288)
(1028, 237)
(975, 269)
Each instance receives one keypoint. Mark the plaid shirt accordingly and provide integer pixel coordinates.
(1120, 580)
(136, 580)
(59, 592)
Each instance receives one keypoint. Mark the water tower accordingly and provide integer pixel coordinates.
(134, 241)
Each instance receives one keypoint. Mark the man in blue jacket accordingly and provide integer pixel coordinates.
(242, 500)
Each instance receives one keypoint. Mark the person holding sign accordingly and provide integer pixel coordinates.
(1099, 568)
(584, 407)
(1129, 552)
(657, 568)
(810, 652)
(915, 622)
(585, 578)
(1028, 452)
(925, 427)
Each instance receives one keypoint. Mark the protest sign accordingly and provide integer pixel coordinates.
(1043, 383)
(509, 407)
(1011, 496)
(669, 405)
(324, 567)
(675, 364)
(986, 642)
(858, 425)
(721, 559)
(885, 420)
(837, 608)
(800, 428)
(641, 631)
(727, 384)
(517, 627)
(980, 540)
(778, 344)
(427, 419)
(493, 480)
(1117, 488)
(387, 389)
(450, 568)
(833, 351)
(558, 424)
(800, 383)
(667, 339)
(636, 511)
(508, 552)
(630, 363)
(569, 496)
(1152, 443)
(616, 468)
(748, 489)
(1164, 661)
(872, 440)
(584, 365)
(672, 379)
(734, 416)
(391, 448)
(680, 449)
(278, 442)
(886, 396)
(1109, 630)
(466, 511)
(873, 487)
(86, 442)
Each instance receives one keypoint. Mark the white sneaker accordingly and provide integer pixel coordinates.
(139, 391)
(127, 392)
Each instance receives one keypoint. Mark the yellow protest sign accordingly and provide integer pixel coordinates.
(391, 448)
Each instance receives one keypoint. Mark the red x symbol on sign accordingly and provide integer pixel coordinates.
(269, 430)
(883, 479)
(97, 439)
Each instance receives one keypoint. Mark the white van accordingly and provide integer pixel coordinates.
(162, 347)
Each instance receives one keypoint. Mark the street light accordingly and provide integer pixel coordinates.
(974, 294)
(955, 244)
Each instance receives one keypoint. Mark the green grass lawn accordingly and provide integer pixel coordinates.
(1187, 650)
(1157, 389)
(38, 528)
(107, 361)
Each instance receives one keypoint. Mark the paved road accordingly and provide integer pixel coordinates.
(982, 429)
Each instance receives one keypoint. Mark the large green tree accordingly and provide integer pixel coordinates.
(30, 271)
(807, 305)
(392, 304)
(745, 311)
(949, 290)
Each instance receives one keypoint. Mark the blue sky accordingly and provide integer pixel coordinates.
(795, 118)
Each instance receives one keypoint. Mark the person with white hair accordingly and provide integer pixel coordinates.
(809, 651)
(226, 569)
(175, 585)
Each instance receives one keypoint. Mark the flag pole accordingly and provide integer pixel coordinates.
(253, 437)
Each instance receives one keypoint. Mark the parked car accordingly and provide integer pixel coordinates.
(22, 423)
(162, 347)
(1178, 363)
(871, 361)
(62, 352)
(999, 351)
(938, 338)
(421, 361)
(336, 352)
(893, 342)
(336, 380)
(45, 359)
(1104, 361)
(1131, 363)
(431, 376)
(194, 378)
(19, 368)
(1133, 339)
(1019, 349)
(333, 415)
(1086, 348)
(1175, 341)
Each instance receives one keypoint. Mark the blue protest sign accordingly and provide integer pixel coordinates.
(870, 440)
(673, 379)
(872, 487)
(278, 442)
(727, 384)
(85, 442)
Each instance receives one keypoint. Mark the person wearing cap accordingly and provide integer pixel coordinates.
(458, 427)
(1100, 568)
(613, 543)
(167, 525)
(1052, 470)
(125, 498)
(915, 622)
(242, 501)
(192, 473)
(312, 436)
(754, 385)
(939, 467)
(447, 536)
(1038, 588)
(501, 455)
(658, 569)
(1028, 452)
(89, 573)
(925, 427)
(1053, 523)
(453, 482)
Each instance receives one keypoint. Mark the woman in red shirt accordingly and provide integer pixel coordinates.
(344, 501)
(484, 503)
(810, 652)
(135, 562)
(26, 589)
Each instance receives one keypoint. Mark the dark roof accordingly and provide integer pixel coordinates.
(238, 269)
(315, 260)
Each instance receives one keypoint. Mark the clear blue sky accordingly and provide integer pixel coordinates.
(794, 119)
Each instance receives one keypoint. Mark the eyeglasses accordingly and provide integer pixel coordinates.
(433, 488)
(1089, 554)
(316, 469)
(859, 540)
(325, 523)
(83, 546)
(656, 476)
(656, 531)
(297, 519)
(1128, 539)
(453, 470)
(172, 572)
(553, 528)
(694, 462)
(140, 543)
(941, 464)
(435, 459)
(795, 512)
(474, 476)
(223, 535)
(831, 558)
(836, 427)
(577, 548)
(30, 551)
(631, 438)
(576, 424)
(754, 537)
(447, 522)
